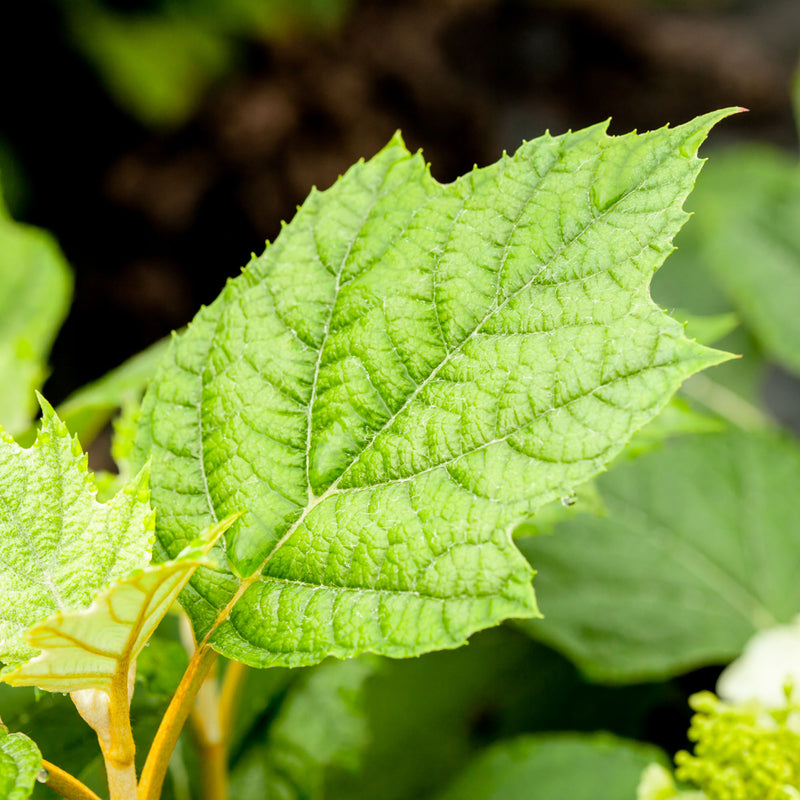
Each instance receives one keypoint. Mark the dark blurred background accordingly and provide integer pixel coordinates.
(163, 141)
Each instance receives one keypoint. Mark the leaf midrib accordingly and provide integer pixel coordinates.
(495, 307)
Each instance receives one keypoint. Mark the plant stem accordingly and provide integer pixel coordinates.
(155, 767)
(726, 403)
(66, 785)
(210, 740)
(214, 771)
(108, 713)
(211, 720)
(232, 685)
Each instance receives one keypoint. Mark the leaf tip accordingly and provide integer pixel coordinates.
(698, 129)
(397, 140)
(48, 412)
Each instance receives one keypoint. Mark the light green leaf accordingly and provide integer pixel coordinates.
(35, 291)
(88, 648)
(696, 552)
(557, 767)
(677, 419)
(406, 374)
(583, 500)
(320, 725)
(58, 545)
(20, 763)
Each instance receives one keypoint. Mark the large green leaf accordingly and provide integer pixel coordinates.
(35, 291)
(58, 545)
(407, 373)
(696, 552)
(20, 763)
(557, 767)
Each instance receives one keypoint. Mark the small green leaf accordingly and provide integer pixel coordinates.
(696, 552)
(20, 763)
(155, 66)
(35, 291)
(410, 371)
(58, 545)
(87, 648)
(677, 419)
(557, 767)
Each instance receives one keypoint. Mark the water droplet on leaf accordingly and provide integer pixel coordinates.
(569, 499)
(43, 776)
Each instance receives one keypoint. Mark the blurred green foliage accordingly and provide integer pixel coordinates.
(158, 63)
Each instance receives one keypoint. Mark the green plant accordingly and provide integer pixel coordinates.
(334, 459)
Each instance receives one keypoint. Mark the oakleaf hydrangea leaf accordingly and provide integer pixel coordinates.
(20, 763)
(695, 553)
(58, 545)
(89, 648)
(556, 767)
(406, 374)
(35, 291)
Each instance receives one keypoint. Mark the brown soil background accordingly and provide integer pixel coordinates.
(153, 223)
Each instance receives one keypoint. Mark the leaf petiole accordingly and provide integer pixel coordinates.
(155, 767)
(66, 785)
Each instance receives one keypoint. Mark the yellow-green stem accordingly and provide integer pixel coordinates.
(66, 785)
(155, 767)
(232, 684)
(210, 740)
(107, 711)
(214, 771)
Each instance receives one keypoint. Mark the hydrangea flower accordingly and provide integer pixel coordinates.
(769, 664)
(747, 740)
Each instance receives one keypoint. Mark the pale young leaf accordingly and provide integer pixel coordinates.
(91, 648)
(58, 545)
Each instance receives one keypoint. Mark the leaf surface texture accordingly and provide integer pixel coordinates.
(58, 545)
(407, 373)
(89, 648)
